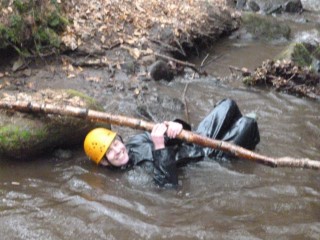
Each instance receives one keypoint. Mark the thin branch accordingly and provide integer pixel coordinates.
(185, 102)
(167, 46)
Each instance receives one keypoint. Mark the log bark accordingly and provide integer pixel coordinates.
(98, 116)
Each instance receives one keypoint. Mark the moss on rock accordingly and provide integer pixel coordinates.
(90, 102)
(24, 135)
(32, 25)
(265, 28)
(301, 54)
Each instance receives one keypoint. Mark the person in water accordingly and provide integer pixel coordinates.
(163, 152)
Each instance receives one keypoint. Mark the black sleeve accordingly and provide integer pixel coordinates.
(165, 169)
(185, 125)
(172, 142)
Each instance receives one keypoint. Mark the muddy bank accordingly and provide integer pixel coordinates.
(94, 29)
(121, 38)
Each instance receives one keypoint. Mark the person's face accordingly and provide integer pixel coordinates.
(117, 154)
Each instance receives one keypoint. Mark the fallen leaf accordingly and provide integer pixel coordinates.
(27, 72)
(71, 75)
(131, 41)
(135, 52)
(103, 39)
(137, 91)
(93, 79)
(70, 68)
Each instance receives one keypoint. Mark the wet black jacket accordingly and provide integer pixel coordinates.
(225, 122)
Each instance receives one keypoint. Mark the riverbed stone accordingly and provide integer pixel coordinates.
(254, 6)
(303, 54)
(160, 71)
(241, 4)
(29, 135)
(261, 27)
(293, 6)
(311, 5)
(274, 6)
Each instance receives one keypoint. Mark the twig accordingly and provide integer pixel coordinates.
(171, 48)
(116, 44)
(185, 102)
(244, 71)
(203, 61)
(181, 48)
(213, 59)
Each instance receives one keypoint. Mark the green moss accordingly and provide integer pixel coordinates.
(57, 22)
(46, 36)
(247, 80)
(21, 6)
(33, 25)
(286, 53)
(316, 53)
(12, 136)
(265, 28)
(91, 102)
(14, 32)
(301, 55)
(3, 35)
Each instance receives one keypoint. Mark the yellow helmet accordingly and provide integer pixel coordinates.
(97, 143)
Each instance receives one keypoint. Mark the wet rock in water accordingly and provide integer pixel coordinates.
(254, 6)
(160, 71)
(261, 27)
(129, 67)
(62, 154)
(273, 9)
(311, 5)
(316, 65)
(293, 6)
(241, 4)
(148, 106)
(27, 135)
(302, 53)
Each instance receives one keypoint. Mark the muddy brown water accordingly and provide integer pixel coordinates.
(51, 198)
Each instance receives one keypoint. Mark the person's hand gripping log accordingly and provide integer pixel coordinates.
(171, 129)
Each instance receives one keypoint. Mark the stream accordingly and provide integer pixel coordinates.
(51, 198)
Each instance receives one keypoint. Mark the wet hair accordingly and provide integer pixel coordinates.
(118, 137)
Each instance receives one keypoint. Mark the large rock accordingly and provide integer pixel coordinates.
(25, 135)
(270, 6)
(304, 54)
(311, 5)
(261, 27)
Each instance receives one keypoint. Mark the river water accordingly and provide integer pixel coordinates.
(53, 198)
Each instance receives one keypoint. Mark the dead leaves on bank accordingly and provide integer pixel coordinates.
(126, 21)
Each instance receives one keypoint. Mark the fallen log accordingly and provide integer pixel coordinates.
(188, 136)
